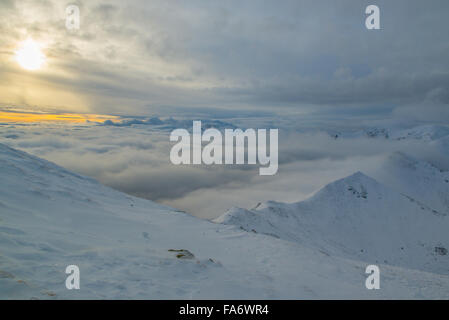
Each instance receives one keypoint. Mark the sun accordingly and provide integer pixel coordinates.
(29, 55)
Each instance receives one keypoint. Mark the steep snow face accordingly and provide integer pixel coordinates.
(418, 179)
(130, 248)
(357, 217)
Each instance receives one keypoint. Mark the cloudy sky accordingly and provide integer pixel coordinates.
(135, 57)
(305, 67)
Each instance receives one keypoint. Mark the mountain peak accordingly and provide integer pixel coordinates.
(355, 216)
(357, 185)
(358, 175)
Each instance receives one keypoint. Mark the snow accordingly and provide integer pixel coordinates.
(426, 133)
(127, 248)
(356, 218)
(418, 179)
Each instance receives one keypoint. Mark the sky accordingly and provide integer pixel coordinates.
(309, 68)
(134, 57)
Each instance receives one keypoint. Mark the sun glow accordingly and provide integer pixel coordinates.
(29, 55)
(22, 117)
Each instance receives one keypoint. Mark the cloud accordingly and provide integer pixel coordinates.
(308, 67)
(300, 55)
(136, 159)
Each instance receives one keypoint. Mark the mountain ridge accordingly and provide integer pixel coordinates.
(352, 217)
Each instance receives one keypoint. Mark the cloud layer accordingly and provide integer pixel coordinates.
(303, 55)
(134, 158)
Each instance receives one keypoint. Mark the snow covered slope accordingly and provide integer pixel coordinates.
(418, 179)
(358, 218)
(126, 247)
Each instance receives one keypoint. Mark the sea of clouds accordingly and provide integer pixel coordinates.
(132, 155)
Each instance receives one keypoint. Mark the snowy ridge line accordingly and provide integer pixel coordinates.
(359, 218)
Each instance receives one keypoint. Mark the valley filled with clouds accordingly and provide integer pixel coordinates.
(133, 156)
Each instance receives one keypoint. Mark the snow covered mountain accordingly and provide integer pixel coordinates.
(424, 132)
(128, 247)
(427, 133)
(418, 179)
(359, 218)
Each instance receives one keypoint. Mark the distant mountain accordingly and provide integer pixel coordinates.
(169, 123)
(426, 133)
(358, 218)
